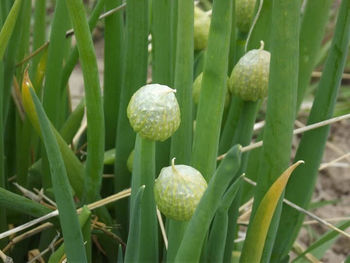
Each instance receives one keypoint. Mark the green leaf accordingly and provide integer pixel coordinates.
(94, 105)
(68, 216)
(7, 29)
(133, 245)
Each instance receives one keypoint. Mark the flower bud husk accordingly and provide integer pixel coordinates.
(154, 112)
(250, 76)
(178, 190)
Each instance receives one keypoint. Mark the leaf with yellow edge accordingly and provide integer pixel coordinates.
(255, 240)
(75, 169)
(28, 103)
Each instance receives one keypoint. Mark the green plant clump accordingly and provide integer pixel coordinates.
(90, 176)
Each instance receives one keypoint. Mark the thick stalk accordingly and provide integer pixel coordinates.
(3, 220)
(211, 103)
(281, 103)
(236, 104)
(312, 144)
(55, 56)
(243, 137)
(135, 74)
(23, 127)
(74, 55)
(161, 68)
(39, 34)
(312, 29)
(113, 70)
(181, 141)
(8, 27)
(144, 174)
(94, 107)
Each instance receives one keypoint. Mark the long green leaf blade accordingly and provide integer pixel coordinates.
(94, 106)
(68, 216)
(7, 28)
(213, 91)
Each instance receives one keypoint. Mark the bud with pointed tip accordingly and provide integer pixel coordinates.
(178, 190)
(154, 112)
(250, 76)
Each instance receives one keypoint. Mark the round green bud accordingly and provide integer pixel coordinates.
(196, 90)
(250, 76)
(154, 112)
(244, 14)
(201, 28)
(178, 190)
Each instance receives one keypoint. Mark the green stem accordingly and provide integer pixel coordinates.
(135, 75)
(74, 55)
(280, 114)
(217, 243)
(8, 27)
(312, 29)
(181, 141)
(143, 173)
(312, 144)
(161, 68)
(211, 104)
(262, 28)
(94, 107)
(3, 219)
(56, 51)
(231, 123)
(39, 30)
(133, 245)
(113, 70)
(23, 128)
(242, 136)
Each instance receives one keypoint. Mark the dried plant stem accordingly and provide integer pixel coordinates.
(92, 206)
(5, 258)
(329, 164)
(162, 229)
(302, 210)
(27, 234)
(295, 132)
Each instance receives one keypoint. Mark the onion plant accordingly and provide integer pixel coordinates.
(168, 166)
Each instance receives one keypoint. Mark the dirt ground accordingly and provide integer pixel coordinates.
(333, 182)
(334, 185)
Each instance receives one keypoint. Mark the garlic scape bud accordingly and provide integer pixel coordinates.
(154, 112)
(201, 28)
(244, 14)
(178, 190)
(250, 76)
